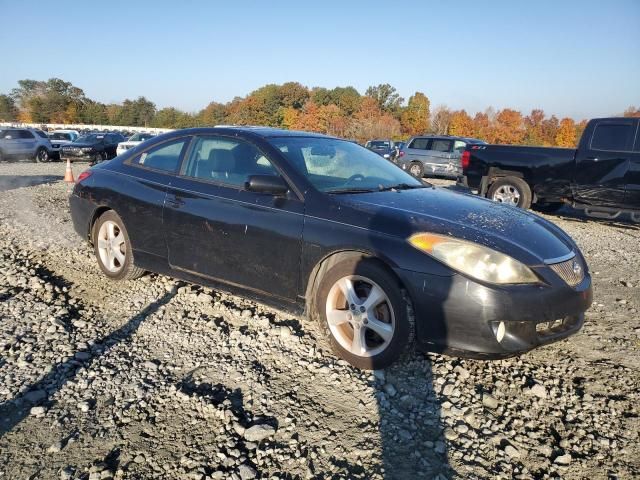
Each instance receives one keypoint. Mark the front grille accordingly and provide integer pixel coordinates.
(571, 271)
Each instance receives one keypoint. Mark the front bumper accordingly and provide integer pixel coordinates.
(77, 157)
(458, 316)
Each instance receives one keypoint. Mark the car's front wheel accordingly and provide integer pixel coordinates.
(416, 169)
(113, 248)
(41, 156)
(364, 314)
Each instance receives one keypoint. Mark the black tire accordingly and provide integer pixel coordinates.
(547, 207)
(514, 184)
(416, 169)
(99, 157)
(128, 269)
(42, 155)
(401, 341)
(1, 156)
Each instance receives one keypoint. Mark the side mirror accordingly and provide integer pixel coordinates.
(270, 184)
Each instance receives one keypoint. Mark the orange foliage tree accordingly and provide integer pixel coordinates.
(461, 124)
(566, 136)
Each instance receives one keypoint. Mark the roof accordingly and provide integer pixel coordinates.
(251, 129)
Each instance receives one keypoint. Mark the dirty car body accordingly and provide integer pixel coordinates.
(271, 246)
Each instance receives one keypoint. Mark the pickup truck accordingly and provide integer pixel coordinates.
(601, 176)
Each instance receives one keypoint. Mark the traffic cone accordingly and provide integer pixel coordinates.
(68, 174)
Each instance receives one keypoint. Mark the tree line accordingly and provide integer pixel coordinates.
(342, 111)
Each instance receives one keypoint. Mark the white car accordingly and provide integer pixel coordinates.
(134, 140)
(59, 138)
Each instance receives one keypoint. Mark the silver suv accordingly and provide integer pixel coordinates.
(24, 143)
(434, 155)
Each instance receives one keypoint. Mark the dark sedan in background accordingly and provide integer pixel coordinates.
(309, 222)
(94, 147)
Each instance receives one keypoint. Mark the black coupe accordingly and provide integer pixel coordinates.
(312, 223)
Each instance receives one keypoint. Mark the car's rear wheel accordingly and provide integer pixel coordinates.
(635, 217)
(416, 169)
(512, 191)
(41, 156)
(113, 248)
(98, 157)
(364, 314)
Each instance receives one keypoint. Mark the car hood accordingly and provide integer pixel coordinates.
(516, 232)
(60, 142)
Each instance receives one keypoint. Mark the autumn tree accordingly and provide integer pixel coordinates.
(533, 127)
(632, 112)
(481, 126)
(508, 127)
(461, 124)
(566, 136)
(213, 114)
(414, 119)
(549, 129)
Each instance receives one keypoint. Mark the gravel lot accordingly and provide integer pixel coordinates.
(156, 378)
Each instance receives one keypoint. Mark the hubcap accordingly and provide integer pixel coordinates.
(507, 194)
(42, 155)
(415, 170)
(111, 246)
(360, 316)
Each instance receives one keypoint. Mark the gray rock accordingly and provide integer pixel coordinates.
(512, 451)
(389, 389)
(258, 433)
(34, 396)
(563, 459)
(37, 411)
(538, 390)
(247, 472)
(489, 401)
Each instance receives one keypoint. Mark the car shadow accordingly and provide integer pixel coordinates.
(10, 182)
(409, 407)
(40, 393)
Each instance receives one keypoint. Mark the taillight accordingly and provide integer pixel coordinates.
(401, 154)
(84, 175)
(466, 159)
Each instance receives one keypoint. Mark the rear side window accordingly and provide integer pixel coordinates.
(613, 136)
(40, 133)
(420, 143)
(165, 157)
(441, 145)
(25, 134)
(459, 146)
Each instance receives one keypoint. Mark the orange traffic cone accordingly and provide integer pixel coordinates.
(68, 174)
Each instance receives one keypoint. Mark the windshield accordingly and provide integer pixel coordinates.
(93, 138)
(60, 136)
(335, 166)
(378, 144)
(140, 137)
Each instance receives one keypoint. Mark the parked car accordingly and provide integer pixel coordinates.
(313, 223)
(94, 147)
(601, 176)
(134, 140)
(23, 143)
(58, 138)
(384, 148)
(434, 155)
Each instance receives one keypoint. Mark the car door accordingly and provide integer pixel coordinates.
(632, 177)
(602, 162)
(217, 229)
(26, 146)
(439, 156)
(10, 142)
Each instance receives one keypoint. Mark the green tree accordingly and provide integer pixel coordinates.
(8, 109)
(415, 117)
(388, 98)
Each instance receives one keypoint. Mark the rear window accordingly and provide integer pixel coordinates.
(420, 143)
(613, 136)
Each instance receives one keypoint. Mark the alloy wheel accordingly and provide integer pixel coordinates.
(415, 170)
(360, 316)
(507, 194)
(111, 246)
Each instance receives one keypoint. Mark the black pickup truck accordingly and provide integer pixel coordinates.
(602, 176)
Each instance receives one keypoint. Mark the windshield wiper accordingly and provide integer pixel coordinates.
(350, 190)
(399, 186)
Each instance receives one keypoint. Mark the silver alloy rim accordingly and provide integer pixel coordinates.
(415, 170)
(507, 194)
(42, 155)
(111, 246)
(360, 316)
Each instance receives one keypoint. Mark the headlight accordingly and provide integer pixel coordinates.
(473, 259)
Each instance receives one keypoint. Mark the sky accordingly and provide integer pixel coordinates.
(577, 58)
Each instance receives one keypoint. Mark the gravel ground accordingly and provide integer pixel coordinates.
(157, 378)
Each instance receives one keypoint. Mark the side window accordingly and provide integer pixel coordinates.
(439, 145)
(226, 160)
(40, 133)
(163, 157)
(613, 136)
(25, 134)
(459, 146)
(420, 143)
